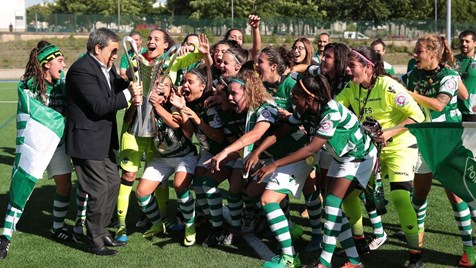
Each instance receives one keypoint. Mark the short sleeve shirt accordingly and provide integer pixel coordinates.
(429, 84)
(346, 139)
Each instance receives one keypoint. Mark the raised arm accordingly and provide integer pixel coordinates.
(253, 21)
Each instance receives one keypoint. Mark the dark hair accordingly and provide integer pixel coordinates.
(379, 41)
(240, 54)
(132, 33)
(466, 33)
(230, 43)
(167, 38)
(370, 55)
(308, 47)
(34, 71)
(316, 85)
(187, 36)
(280, 56)
(227, 34)
(204, 74)
(341, 52)
(101, 37)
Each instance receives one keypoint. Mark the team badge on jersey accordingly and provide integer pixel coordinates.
(401, 99)
(266, 114)
(326, 125)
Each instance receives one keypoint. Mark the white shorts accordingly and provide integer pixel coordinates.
(291, 177)
(60, 163)
(421, 166)
(160, 169)
(359, 170)
(325, 159)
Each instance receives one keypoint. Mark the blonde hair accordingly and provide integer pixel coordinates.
(254, 89)
(437, 43)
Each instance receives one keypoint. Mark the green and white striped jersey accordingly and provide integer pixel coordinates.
(432, 83)
(172, 143)
(346, 138)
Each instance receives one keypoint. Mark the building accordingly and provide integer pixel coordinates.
(13, 14)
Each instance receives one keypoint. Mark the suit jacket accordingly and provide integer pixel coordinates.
(91, 131)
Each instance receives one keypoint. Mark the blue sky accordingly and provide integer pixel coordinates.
(29, 3)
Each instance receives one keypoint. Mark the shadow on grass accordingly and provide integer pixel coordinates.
(7, 155)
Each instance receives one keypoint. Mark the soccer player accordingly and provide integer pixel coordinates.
(372, 94)
(326, 122)
(434, 85)
(132, 148)
(175, 154)
(43, 81)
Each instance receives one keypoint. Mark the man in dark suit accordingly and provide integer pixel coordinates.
(95, 92)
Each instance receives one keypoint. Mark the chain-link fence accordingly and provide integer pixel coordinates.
(403, 29)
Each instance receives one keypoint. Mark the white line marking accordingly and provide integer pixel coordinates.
(252, 240)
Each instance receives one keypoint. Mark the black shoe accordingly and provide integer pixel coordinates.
(114, 223)
(110, 242)
(362, 248)
(103, 251)
(4, 245)
(214, 239)
(416, 260)
(63, 235)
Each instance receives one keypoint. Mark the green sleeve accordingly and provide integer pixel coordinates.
(124, 62)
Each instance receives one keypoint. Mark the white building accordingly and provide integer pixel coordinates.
(13, 14)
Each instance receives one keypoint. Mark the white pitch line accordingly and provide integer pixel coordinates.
(252, 240)
(8, 101)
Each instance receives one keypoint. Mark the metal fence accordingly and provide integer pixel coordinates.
(396, 29)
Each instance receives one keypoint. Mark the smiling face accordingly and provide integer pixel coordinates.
(327, 62)
(361, 74)
(265, 69)
(193, 87)
(237, 97)
(220, 50)
(108, 54)
(467, 45)
(322, 41)
(229, 65)
(378, 48)
(299, 52)
(164, 93)
(156, 44)
(237, 36)
(54, 69)
(425, 59)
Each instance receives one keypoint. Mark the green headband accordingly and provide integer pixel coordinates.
(239, 81)
(48, 53)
